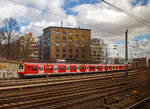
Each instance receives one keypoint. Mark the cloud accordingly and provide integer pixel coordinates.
(106, 22)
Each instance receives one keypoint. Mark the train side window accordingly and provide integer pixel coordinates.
(50, 68)
(46, 68)
(61, 67)
(34, 68)
(99, 67)
(81, 67)
(28, 67)
(73, 67)
(91, 67)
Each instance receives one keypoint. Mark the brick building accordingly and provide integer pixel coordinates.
(68, 44)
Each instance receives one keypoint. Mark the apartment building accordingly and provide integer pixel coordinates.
(97, 51)
(67, 44)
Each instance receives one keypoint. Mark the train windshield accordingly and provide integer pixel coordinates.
(21, 68)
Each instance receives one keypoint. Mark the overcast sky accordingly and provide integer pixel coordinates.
(105, 21)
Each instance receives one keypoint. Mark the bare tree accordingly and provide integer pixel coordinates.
(9, 34)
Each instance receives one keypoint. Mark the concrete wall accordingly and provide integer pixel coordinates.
(8, 69)
(8, 74)
(9, 66)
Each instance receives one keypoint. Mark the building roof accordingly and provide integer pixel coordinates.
(66, 28)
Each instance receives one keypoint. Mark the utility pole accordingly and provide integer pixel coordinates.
(106, 56)
(118, 58)
(126, 52)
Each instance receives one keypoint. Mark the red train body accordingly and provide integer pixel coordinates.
(32, 69)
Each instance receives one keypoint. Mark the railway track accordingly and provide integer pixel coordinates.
(141, 104)
(6, 83)
(16, 89)
(70, 93)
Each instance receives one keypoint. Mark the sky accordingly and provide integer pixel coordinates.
(105, 21)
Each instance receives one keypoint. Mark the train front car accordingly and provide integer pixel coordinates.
(21, 70)
(27, 69)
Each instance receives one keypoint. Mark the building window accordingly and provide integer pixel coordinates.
(48, 38)
(70, 44)
(70, 40)
(70, 50)
(57, 44)
(64, 50)
(57, 38)
(82, 56)
(64, 44)
(64, 38)
(48, 33)
(77, 41)
(57, 55)
(70, 56)
(70, 33)
(77, 35)
(64, 33)
(76, 56)
(57, 49)
(77, 45)
(64, 55)
(57, 33)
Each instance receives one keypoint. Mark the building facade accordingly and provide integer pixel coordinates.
(29, 47)
(97, 51)
(67, 44)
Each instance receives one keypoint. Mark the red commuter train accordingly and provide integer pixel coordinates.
(37, 69)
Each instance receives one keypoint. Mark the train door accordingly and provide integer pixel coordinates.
(67, 69)
(56, 68)
(87, 68)
(41, 69)
(96, 68)
(78, 68)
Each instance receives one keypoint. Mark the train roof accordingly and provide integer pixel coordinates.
(66, 64)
